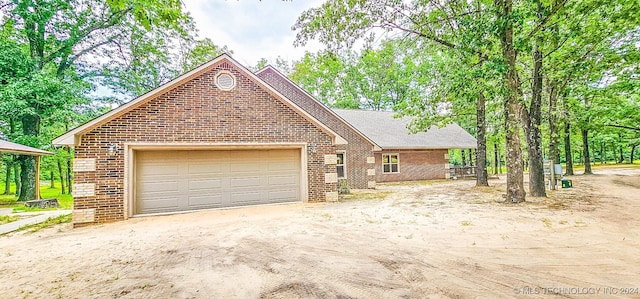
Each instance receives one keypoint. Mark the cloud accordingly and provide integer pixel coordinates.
(252, 29)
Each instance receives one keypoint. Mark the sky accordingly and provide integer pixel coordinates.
(253, 29)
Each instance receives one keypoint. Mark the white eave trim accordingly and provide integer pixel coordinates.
(72, 137)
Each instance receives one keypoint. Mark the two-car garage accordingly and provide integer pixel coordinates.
(182, 180)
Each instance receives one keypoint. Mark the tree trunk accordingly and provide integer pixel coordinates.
(464, 158)
(481, 152)
(585, 149)
(30, 127)
(499, 162)
(53, 179)
(27, 178)
(62, 177)
(16, 177)
(69, 172)
(633, 149)
(554, 92)
(7, 178)
(496, 163)
(554, 151)
(567, 147)
(621, 156)
(532, 122)
(515, 177)
(11, 164)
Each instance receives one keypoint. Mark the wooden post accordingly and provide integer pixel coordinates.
(37, 177)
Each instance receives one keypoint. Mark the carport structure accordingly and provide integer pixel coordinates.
(19, 149)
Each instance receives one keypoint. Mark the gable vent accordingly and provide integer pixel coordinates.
(225, 81)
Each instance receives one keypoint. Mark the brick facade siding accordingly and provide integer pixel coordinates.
(358, 148)
(196, 112)
(414, 165)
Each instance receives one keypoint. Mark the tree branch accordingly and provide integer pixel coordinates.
(546, 19)
(623, 127)
(420, 34)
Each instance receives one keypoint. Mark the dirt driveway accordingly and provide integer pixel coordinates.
(421, 240)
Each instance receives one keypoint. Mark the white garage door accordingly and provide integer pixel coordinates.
(170, 180)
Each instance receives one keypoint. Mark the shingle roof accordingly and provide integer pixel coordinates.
(392, 133)
(10, 147)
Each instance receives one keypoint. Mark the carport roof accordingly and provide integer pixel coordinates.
(14, 148)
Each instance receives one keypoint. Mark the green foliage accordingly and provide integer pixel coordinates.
(52, 51)
(10, 201)
(321, 74)
(47, 223)
(7, 219)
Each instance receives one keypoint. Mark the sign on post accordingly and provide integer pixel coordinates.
(552, 173)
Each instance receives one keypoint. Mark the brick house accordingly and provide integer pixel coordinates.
(404, 156)
(222, 136)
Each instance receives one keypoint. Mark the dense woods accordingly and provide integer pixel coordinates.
(532, 80)
(55, 53)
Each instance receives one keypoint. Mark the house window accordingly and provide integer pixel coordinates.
(225, 80)
(390, 163)
(340, 165)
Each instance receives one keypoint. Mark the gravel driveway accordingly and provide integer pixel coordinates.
(413, 240)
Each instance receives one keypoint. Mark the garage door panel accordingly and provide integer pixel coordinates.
(245, 197)
(209, 200)
(245, 182)
(157, 169)
(287, 154)
(283, 195)
(174, 180)
(165, 203)
(158, 187)
(283, 165)
(206, 168)
(157, 156)
(246, 167)
(289, 180)
(205, 185)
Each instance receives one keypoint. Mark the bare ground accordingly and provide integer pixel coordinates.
(414, 240)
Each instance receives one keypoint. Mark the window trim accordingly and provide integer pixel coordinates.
(344, 164)
(390, 167)
(228, 73)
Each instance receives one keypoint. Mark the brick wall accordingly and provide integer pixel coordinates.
(196, 111)
(358, 148)
(414, 165)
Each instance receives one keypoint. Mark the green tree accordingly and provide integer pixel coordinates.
(322, 75)
(458, 27)
(57, 40)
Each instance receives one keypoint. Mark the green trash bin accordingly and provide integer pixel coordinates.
(566, 183)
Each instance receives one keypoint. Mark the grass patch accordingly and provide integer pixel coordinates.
(47, 223)
(327, 216)
(7, 219)
(11, 201)
(578, 169)
(416, 183)
(546, 222)
(366, 195)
